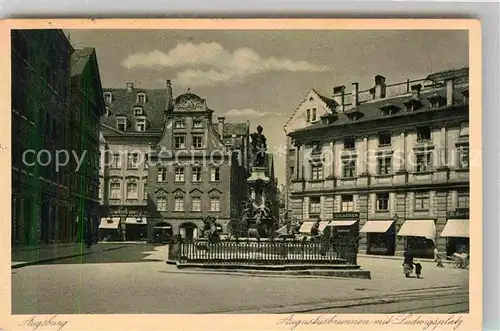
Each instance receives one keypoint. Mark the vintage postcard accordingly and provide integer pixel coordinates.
(249, 174)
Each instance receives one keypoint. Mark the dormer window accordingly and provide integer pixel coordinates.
(140, 124)
(141, 97)
(121, 123)
(179, 123)
(436, 101)
(388, 110)
(108, 97)
(106, 112)
(412, 105)
(138, 111)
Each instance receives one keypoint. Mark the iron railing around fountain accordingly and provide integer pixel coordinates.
(265, 252)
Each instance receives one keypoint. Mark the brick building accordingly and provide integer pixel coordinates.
(40, 121)
(391, 162)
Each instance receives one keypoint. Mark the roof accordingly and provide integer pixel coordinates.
(458, 75)
(329, 102)
(239, 129)
(371, 110)
(79, 60)
(123, 103)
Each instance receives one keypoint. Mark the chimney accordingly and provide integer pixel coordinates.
(449, 93)
(355, 95)
(221, 125)
(338, 96)
(170, 97)
(415, 91)
(130, 87)
(379, 87)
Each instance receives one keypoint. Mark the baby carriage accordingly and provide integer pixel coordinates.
(461, 260)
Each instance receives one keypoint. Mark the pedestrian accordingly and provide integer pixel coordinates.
(408, 261)
(437, 258)
(418, 268)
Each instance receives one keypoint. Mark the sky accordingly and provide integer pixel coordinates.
(263, 76)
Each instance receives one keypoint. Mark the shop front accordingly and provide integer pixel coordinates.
(456, 232)
(162, 233)
(420, 235)
(109, 229)
(344, 226)
(136, 229)
(381, 237)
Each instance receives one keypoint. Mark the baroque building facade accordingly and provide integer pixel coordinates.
(140, 200)
(41, 203)
(390, 163)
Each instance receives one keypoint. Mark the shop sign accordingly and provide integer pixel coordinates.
(346, 215)
(462, 213)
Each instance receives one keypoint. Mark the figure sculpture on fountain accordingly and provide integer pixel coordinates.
(259, 147)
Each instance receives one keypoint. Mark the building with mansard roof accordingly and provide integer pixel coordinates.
(136, 120)
(390, 163)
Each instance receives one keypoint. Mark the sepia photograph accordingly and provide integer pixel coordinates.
(240, 171)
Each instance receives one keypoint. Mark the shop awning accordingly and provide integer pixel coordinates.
(376, 226)
(418, 228)
(323, 225)
(283, 230)
(135, 220)
(456, 228)
(342, 222)
(109, 223)
(306, 227)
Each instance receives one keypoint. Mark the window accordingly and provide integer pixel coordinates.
(463, 157)
(162, 174)
(141, 97)
(179, 174)
(179, 204)
(214, 174)
(121, 123)
(316, 171)
(133, 161)
(108, 97)
(308, 116)
(463, 198)
(423, 133)
(466, 96)
(313, 115)
(180, 142)
(384, 165)
(197, 141)
(196, 174)
(145, 192)
(464, 129)
(349, 143)
(197, 124)
(435, 102)
(115, 161)
(384, 139)
(214, 204)
(292, 171)
(382, 201)
(132, 192)
(349, 168)
(424, 162)
(140, 124)
(138, 111)
(314, 206)
(422, 200)
(114, 191)
(161, 204)
(179, 124)
(196, 204)
(347, 203)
